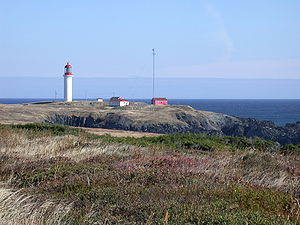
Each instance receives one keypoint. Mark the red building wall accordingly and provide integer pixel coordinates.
(159, 101)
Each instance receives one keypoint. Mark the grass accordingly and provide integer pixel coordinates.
(290, 149)
(77, 178)
(172, 141)
(139, 195)
(53, 129)
(196, 142)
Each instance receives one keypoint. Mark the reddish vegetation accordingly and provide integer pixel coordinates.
(164, 162)
(77, 179)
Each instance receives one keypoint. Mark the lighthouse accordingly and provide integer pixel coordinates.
(68, 80)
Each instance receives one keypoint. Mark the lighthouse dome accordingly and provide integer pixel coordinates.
(68, 70)
(68, 65)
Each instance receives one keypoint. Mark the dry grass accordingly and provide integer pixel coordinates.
(151, 175)
(22, 209)
(38, 113)
(255, 168)
(20, 145)
(119, 133)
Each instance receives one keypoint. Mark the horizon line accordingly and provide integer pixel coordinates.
(83, 98)
(160, 77)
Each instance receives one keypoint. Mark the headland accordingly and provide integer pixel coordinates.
(140, 117)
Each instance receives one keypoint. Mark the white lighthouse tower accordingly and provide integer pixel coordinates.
(68, 80)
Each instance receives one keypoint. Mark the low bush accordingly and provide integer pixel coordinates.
(53, 129)
(194, 142)
(290, 149)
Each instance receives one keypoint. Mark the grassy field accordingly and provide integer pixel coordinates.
(54, 174)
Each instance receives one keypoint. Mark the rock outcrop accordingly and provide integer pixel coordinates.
(146, 118)
(183, 120)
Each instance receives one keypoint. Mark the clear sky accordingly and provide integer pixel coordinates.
(193, 38)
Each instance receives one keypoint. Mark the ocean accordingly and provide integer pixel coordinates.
(279, 111)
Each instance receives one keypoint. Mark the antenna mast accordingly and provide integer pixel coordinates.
(153, 73)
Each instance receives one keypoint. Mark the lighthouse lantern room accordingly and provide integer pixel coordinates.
(68, 79)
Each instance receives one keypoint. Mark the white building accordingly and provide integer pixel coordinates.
(118, 101)
(68, 83)
(99, 99)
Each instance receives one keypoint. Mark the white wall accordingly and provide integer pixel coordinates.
(121, 104)
(124, 103)
(68, 88)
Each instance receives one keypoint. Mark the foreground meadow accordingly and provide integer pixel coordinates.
(53, 174)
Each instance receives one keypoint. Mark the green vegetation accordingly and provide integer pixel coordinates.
(207, 180)
(195, 142)
(290, 149)
(171, 141)
(53, 129)
(155, 194)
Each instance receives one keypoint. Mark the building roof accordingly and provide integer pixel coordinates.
(160, 99)
(117, 99)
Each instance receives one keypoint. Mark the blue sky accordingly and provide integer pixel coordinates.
(228, 39)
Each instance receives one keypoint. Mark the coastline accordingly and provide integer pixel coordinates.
(146, 118)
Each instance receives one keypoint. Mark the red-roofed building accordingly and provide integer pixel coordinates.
(118, 101)
(159, 101)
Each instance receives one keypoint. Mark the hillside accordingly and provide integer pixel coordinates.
(54, 174)
(146, 118)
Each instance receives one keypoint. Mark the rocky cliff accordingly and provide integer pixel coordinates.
(181, 119)
(146, 118)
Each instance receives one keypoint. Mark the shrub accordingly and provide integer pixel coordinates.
(53, 128)
(36, 128)
(194, 142)
(290, 149)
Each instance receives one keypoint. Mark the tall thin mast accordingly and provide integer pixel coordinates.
(153, 73)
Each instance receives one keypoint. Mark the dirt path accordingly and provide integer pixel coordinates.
(119, 133)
